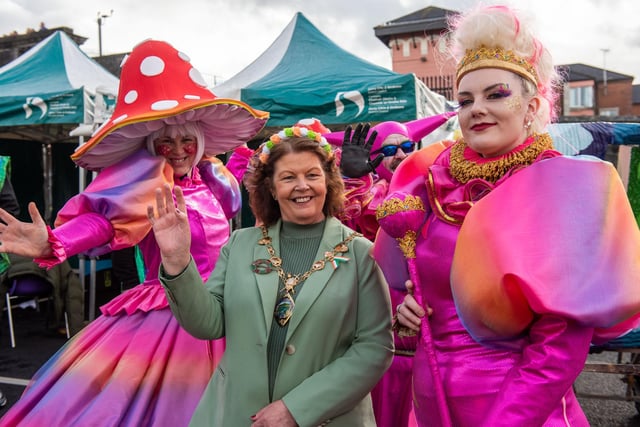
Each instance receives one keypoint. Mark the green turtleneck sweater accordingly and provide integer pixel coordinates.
(298, 247)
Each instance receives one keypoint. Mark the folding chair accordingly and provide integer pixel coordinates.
(29, 286)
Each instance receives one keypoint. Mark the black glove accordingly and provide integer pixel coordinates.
(356, 151)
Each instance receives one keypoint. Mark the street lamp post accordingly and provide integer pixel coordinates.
(101, 16)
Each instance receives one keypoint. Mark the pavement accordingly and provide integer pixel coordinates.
(37, 342)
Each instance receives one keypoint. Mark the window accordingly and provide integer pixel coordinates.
(581, 97)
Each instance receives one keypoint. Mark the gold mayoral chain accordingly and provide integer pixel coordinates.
(284, 307)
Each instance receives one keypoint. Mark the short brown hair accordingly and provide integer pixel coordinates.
(260, 182)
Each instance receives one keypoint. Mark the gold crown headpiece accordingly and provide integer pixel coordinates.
(496, 57)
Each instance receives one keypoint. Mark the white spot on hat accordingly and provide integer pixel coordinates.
(98, 130)
(196, 77)
(131, 97)
(120, 118)
(165, 104)
(151, 66)
(184, 56)
(191, 97)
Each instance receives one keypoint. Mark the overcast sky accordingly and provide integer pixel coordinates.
(224, 36)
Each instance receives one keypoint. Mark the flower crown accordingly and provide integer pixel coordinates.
(285, 133)
(496, 57)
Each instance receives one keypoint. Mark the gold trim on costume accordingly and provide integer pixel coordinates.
(394, 205)
(435, 203)
(464, 170)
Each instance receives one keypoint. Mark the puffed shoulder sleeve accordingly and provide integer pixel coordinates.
(222, 184)
(121, 194)
(558, 237)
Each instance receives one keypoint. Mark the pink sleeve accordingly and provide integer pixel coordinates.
(222, 184)
(121, 194)
(239, 162)
(550, 364)
(80, 234)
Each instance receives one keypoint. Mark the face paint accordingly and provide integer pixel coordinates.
(503, 90)
(514, 103)
(163, 149)
(165, 146)
(190, 148)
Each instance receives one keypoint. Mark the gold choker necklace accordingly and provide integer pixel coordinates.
(284, 307)
(465, 170)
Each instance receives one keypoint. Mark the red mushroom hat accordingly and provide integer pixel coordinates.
(159, 86)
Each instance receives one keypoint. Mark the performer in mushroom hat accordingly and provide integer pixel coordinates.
(134, 365)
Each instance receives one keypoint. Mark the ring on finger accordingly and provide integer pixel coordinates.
(398, 307)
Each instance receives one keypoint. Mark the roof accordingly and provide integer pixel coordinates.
(428, 20)
(582, 72)
(49, 83)
(55, 64)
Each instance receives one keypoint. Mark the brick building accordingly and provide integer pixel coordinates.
(418, 44)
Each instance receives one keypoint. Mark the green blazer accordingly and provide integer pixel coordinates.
(339, 342)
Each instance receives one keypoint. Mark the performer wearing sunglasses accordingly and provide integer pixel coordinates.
(395, 152)
(369, 157)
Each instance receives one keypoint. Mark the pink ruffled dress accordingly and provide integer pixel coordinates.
(134, 365)
(522, 275)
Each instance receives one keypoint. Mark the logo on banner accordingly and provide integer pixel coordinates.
(35, 102)
(352, 96)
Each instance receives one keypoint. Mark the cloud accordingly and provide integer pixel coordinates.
(224, 36)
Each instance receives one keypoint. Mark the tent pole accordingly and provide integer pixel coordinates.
(82, 183)
(48, 187)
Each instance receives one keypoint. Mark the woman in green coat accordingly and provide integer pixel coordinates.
(303, 306)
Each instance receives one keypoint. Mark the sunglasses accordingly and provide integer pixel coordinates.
(391, 150)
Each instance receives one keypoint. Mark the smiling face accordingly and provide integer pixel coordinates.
(180, 152)
(494, 111)
(299, 187)
(404, 147)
